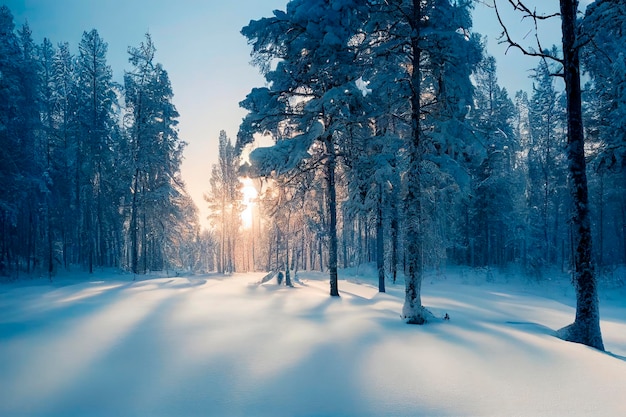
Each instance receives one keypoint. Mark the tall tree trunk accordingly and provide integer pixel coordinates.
(332, 212)
(78, 240)
(287, 266)
(277, 254)
(586, 326)
(344, 240)
(380, 242)
(320, 253)
(134, 241)
(50, 240)
(359, 227)
(89, 232)
(144, 243)
(135, 202)
(601, 221)
(394, 243)
(269, 255)
(413, 311)
(623, 230)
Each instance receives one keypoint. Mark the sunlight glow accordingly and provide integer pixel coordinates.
(250, 194)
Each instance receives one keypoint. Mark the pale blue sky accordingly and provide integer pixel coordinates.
(199, 44)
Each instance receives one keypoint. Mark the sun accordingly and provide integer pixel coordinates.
(249, 194)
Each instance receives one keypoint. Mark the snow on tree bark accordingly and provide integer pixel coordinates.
(413, 311)
(380, 241)
(332, 213)
(586, 326)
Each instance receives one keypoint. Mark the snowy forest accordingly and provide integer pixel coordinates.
(391, 143)
(379, 156)
(89, 169)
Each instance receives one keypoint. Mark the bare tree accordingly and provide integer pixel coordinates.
(586, 326)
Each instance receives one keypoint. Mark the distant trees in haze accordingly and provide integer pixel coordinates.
(225, 204)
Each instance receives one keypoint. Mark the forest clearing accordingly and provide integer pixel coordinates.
(226, 346)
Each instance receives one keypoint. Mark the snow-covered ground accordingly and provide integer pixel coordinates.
(226, 346)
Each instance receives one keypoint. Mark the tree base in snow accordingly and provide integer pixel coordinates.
(419, 317)
(582, 334)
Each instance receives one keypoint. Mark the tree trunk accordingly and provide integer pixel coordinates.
(287, 266)
(601, 222)
(586, 326)
(320, 253)
(359, 227)
(413, 311)
(623, 230)
(144, 243)
(277, 254)
(394, 239)
(89, 232)
(344, 241)
(134, 254)
(332, 212)
(50, 244)
(380, 242)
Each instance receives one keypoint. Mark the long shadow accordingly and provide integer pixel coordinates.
(473, 318)
(49, 310)
(109, 383)
(497, 327)
(322, 380)
(140, 374)
(59, 305)
(620, 357)
(326, 379)
(174, 283)
(65, 346)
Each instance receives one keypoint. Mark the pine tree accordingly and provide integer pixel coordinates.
(65, 119)
(546, 169)
(604, 59)
(429, 37)
(224, 201)
(96, 101)
(156, 153)
(311, 96)
(492, 163)
(21, 157)
(48, 141)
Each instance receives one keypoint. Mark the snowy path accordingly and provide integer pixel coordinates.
(227, 347)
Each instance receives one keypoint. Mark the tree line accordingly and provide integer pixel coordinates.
(393, 143)
(89, 168)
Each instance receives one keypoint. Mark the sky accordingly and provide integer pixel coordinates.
(207, 59)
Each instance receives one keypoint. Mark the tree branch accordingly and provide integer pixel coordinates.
(517, 5)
